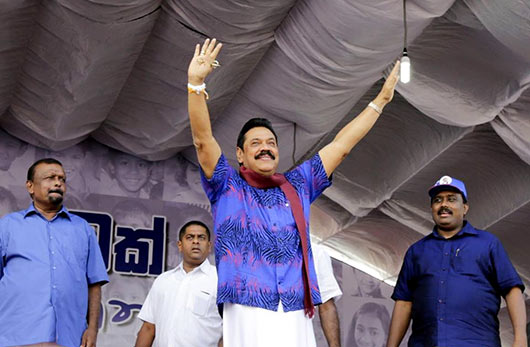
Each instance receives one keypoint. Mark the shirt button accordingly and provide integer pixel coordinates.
(446, 253)
(287, 204)
(441, 318)
(54, 268)
(51, 237)
(440, 301)
(442, 281)
(53, 252)
(54, 287)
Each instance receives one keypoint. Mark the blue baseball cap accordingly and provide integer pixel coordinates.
(448, 183)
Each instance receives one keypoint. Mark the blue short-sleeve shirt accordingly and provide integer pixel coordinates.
(45, 269)
(257, 249)
(455, 286)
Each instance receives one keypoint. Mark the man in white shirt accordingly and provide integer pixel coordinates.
(180, 310)
(330, 292)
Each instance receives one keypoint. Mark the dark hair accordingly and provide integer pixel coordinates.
(193, 222)
(377, 310)
(447, 189)
(254, 123)
(31, 170)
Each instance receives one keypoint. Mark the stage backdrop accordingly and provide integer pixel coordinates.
(137, 208)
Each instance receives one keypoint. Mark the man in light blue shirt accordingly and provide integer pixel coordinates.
(51, 268)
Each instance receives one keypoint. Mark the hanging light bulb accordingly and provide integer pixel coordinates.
(404, 72)
(404, 69)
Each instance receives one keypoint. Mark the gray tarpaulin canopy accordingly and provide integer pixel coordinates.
(115, 70)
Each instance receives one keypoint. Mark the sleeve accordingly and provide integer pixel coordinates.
(214, 186)
(315, 176)
(403, 289)
(96, 271)
(147, 312)
(506, 276)
(329, 288)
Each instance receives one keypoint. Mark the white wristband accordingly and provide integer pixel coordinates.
(197, 89)
(375, 107)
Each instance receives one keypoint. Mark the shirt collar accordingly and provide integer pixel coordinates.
(63, 212)
(204, 267)
(466, 229)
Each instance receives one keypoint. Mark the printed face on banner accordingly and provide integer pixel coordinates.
(73, 160)
(130, 172)
(367, 285)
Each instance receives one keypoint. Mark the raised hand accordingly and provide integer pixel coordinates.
(387, 92)
(203, 61)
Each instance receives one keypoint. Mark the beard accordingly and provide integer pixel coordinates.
(56, 199)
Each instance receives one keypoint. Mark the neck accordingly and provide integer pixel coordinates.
(47, 211)
(189, 267)
(446, 234)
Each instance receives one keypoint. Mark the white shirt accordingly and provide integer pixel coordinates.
(329, 288)
(183, 308)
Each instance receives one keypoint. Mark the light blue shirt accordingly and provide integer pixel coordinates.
(45, 269)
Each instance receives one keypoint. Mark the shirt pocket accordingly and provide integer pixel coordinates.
(466, 262)
(200, 302)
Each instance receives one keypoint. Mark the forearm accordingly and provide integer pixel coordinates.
(329, 320)
(94, 302)
(335, 152)
(208, 150)
(400, 322)
(517, 311)
(201, 128)
(357, 128)
(146, 335)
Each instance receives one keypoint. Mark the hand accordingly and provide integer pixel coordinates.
(89, 337)
(387, 92)
(203, 61)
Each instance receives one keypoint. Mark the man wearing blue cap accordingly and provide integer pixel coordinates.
(452, 280)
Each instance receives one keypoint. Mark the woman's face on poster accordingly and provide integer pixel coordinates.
(369, 331)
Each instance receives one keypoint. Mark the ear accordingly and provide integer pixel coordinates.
(466, 208)
(209, 246)
(239, 155)
(29, 187)
(179, 244)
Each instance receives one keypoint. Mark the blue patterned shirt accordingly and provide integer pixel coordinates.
(455, 287)
(45, 269)
(257, 248)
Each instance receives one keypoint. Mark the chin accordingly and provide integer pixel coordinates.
(56, 201)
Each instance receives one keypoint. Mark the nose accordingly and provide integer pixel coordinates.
(363, 338)
(267, 147)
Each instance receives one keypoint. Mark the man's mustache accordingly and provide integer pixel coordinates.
(444, 210)
(265, 152)
(58, 191)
